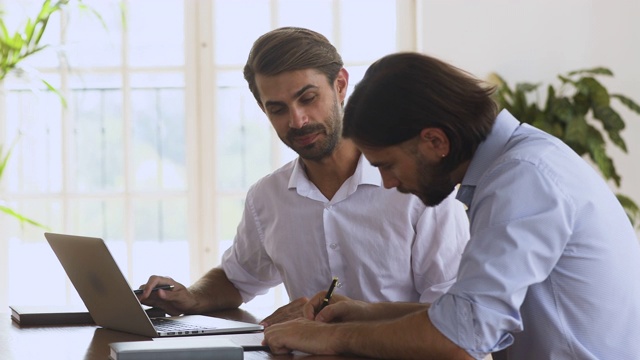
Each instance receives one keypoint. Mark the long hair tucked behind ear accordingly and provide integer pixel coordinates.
(289, 49)
(403, 93)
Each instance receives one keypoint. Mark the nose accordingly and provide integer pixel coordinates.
(298, 118)
(388, 180)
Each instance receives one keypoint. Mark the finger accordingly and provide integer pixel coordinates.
(267, 321)
(310, 308)
(331, 312)
(278, 316)
(276, 346)
(151, 283)
(154, 281)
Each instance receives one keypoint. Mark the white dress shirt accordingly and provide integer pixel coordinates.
(552, 269)
(383, 245)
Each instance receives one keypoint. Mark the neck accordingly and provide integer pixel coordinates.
(329, 173)
(458, 173)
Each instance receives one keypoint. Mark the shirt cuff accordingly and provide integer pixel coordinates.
(474, 328)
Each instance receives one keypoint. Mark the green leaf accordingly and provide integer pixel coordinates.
(598, 94)
(526, 87)
(4, 159)
(594, 71)
(29, 30)
(561, 109)
(55, 91)
(566, 80)
(22, 218)
(581, 104)
(630, 207)
(45, 10)
(577, 131)
(612, 123)
(598, 154)
(632, 105)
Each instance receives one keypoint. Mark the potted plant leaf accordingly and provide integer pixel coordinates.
(579, 111)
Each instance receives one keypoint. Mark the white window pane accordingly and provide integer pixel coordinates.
(160, 220)
(368, 36)
(238, 24)
(243, 135)
(156, 32)
(311, 14)
(98, 217)
(150, 258)
(159, 160)
(98, 140)
(161, 228)
(34, 125)
(94, 34)
(33, 262)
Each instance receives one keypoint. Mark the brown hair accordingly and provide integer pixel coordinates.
(288, 49)
(403, 93)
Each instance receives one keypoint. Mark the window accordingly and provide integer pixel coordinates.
(160, 137)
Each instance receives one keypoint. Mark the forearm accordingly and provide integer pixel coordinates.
(213, 292)
(410, 337)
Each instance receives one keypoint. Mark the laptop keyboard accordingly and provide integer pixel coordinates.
(173, 327)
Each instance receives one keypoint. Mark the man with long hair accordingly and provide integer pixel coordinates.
(551, 270)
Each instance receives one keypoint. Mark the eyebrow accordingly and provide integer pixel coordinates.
(295, 95)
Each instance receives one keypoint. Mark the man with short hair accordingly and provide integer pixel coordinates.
(551, 270)
(319, 216)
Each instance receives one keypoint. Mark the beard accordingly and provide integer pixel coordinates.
(434, 182)
(318, 150)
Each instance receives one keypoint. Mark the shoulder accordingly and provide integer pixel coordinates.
(275, 181)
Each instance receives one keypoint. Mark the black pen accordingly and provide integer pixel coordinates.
(327, 297)
(163, 287)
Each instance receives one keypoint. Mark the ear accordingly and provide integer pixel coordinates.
(341, 84)
(435, 142)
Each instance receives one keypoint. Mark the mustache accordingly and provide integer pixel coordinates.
(306, 130)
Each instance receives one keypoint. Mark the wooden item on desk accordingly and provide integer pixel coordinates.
(195, 348)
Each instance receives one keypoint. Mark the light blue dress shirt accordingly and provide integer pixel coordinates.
(552, 269)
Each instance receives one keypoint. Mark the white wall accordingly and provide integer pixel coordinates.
(536, 39)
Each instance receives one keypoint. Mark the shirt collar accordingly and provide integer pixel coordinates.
(365, 174)
(488, 151)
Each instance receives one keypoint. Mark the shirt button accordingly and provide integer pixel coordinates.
(339, 284)
(333, 246)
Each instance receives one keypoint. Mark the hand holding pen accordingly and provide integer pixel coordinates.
(327, 297)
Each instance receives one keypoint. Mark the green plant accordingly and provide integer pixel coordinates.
(23, 43)
(14, 48)
(580, 112)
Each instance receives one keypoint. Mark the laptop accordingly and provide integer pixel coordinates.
(110, 300)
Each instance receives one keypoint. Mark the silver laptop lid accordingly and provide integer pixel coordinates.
(109, 298)
(100, 283)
